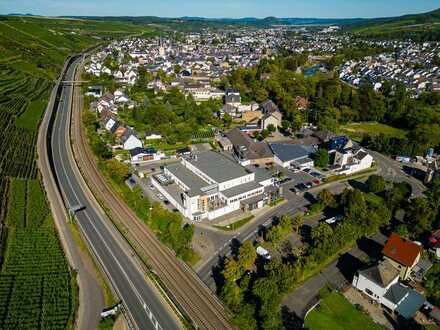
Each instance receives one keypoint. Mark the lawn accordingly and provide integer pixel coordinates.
(335, 312)
(235, 225)
(357, 130)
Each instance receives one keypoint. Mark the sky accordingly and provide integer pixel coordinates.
(220, 8)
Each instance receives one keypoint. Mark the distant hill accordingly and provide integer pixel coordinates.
(421, 27)
(194, 23)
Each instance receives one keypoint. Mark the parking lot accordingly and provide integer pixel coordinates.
(296, 182)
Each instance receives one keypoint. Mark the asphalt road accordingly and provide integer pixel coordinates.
(292, 206)
(139, 298)
(392, 170)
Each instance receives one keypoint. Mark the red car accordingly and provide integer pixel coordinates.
(316, 182)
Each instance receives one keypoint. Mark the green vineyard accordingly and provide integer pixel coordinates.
(35, 279)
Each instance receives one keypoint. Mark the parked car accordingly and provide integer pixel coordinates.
(307, 170)
(301, 187)
(308, 185)
(334, 219)
(316, 182)
(263, 253)
(316, 175)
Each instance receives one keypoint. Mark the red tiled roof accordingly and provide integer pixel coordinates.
(401, 250)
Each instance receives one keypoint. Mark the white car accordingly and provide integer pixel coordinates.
(261, 251)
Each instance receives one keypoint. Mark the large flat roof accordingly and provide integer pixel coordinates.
(240, 189)
(192, 181)
(217, 166)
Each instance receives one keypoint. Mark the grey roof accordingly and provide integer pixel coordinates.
(217, 167)
(382, 274)
(192, 181)
(287, 152)
(240, 189)
(396, 293)
(411, 304)
(261, 173)
(246, 148)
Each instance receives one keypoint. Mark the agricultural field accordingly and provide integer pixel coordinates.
(36, 284)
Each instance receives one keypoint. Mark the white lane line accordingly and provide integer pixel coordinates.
(103, 240)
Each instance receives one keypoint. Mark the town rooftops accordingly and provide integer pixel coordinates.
(216, 166)
(401, 250)
(286, 152)
(382, 274)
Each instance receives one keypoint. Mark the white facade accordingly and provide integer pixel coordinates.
(147, 157)
(132, 142)
(352, 162)
(210, 198)
(371, 288)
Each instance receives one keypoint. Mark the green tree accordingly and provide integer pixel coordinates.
(297, 222)
(227, 120)
(420, 215)
(321, 158)
(271, 128)
(402, 230)
(232, 270)
(247, 255)
(376, 184)
(117, 171)
(327, 198)
(232, 296)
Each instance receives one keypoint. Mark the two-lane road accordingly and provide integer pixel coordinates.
(146, 310)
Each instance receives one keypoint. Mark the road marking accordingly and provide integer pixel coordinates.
(137, 294)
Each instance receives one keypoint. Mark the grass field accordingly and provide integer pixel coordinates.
(357, 130)
(334, 312)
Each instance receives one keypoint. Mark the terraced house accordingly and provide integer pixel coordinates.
(209, 185)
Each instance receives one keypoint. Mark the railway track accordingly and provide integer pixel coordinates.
(183, 285)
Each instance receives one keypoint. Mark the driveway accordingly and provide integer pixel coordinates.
(339, 274)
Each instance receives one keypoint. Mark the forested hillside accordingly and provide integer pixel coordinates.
(36, 290)
(419, 27)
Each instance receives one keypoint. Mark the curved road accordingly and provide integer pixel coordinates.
(146, 310)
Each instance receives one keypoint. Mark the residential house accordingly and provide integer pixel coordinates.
(233, 97)
(247, 151)
(273, 118)
(381, 283)
(224, 143)
(293, 155)
(95, 91)
(350, 161)
(252, 116)
(403, 254)
(141, 155)
(301, 103)
(153, 135)
(130, 140)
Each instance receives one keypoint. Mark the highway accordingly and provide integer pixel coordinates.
(145, 308)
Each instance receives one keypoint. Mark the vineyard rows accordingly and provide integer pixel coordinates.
(35, 279)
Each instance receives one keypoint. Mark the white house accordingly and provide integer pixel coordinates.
(381, 283)
(130, 141)
(375, 281)
(142, 155)
(153, 135)
(351, 161)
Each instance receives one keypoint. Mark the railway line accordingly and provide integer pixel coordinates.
(183, 286)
